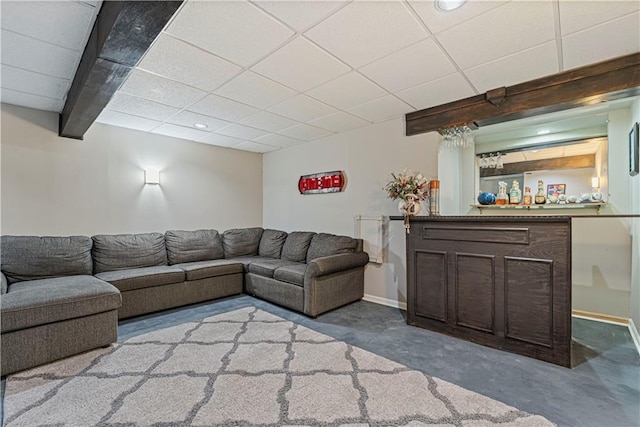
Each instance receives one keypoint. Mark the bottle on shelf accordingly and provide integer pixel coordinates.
(541, 198)
(515, 194)
(502, 198)
(527, 196)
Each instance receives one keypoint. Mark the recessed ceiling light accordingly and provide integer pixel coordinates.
(533, 151)
(200, 126)
(448, 5)
(543, 132)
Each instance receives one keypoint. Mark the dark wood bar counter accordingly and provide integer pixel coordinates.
(503, 282)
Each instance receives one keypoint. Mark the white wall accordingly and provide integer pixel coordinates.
(367, 155)
(60, 186)
(634, 189)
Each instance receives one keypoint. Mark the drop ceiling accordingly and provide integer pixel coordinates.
(266, 75)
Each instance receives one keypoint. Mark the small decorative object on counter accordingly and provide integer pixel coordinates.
(541, 198)
(486, 198)
(502, 198)
(552, 199)
(515, 195)
(434, 197)
(411, 189)
(572, 199)
(527, 196)
(562, 199)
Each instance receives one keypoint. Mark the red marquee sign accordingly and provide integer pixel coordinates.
(324, 182)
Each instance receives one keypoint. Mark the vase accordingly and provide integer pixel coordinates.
(410, 207)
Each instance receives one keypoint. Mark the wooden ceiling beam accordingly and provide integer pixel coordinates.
(122, 33)
(604, 81)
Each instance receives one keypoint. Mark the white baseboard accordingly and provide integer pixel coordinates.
(385, 301)
(634, 334)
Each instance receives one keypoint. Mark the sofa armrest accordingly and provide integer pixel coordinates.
(335, 263)
(4, 284)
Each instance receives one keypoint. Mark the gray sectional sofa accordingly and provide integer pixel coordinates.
(64, 295)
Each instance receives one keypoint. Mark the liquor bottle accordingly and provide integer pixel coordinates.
(515, 195)
(502, 198)
(540, 199)
(527, 196)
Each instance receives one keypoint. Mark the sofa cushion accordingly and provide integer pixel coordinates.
(213, 268)
(146, 277)
(247, 260)
(126, 251)
(5, 284)
(293, 274)
(192, 246)
(271, 243)
(241, 242)
(267, 267)
(296, 246)
(39, 302)
(324, 244)
(33, 257)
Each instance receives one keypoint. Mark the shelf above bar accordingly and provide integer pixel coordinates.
(596, 206)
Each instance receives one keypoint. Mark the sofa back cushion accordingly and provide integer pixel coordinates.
(296, 246)
(271, 243)
(324, 244)
(241, 242)
(31, 257)
(124, 251)
(192, 246)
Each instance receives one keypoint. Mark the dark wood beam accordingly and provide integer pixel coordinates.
(571, 162)
(122, 33)
(603, 81)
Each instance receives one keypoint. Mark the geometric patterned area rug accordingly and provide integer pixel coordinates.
(242, 368)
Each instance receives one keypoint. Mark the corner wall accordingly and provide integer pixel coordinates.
(634, 189)
(60, 186)
(367, 156)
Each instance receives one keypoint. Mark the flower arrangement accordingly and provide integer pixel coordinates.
(407, 185)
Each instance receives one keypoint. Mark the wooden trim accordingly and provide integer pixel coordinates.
(604, 81)
(571, 162)
(122, 33)
(600, 317)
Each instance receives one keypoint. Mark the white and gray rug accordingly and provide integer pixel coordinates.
(242, 368)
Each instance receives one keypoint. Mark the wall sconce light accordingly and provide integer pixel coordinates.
(595, 182)
(152, 176)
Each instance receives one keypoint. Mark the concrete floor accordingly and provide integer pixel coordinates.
(603, 388)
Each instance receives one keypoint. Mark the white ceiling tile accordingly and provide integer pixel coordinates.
(411, 66)
(339, 122)
(34, 55)
(438, 21)
(222, 108)
(507, 29)
(62, 23)
(615, 38)
(381, 109)
(34, 83)
(253, 89)
(37, 102)
(235, 30)
(299, 14)
(446, 89)
(580, 15)
(182, 62)
(188, 119)
(115, 118)
(302, 108)
(141, 107)
(517, 68)
(268, 121)
(219, 140)
(300, 65)
(255, 147)
(304, 132)
(347, 90)
(276, 140)
(240, 131)
(180, 132)
(155, 88)
(365, 31)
